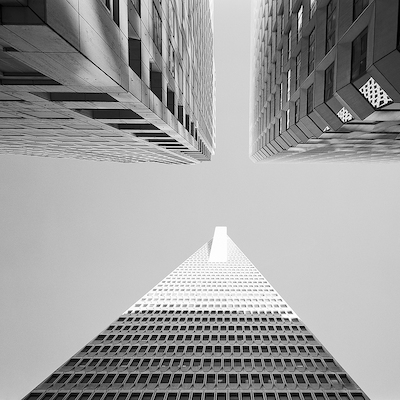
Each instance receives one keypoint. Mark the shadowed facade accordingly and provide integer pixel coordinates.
(325, 83)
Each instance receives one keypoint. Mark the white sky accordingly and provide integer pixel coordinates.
(81, 241)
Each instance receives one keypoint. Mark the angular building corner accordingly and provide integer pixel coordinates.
(213, 329)
(325, 82)
(114, 80)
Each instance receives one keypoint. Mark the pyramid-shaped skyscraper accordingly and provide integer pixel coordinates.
(213, 329)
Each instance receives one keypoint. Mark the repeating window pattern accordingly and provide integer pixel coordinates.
(273, 135)
(204, 352)
(203, 395)
(199, 284)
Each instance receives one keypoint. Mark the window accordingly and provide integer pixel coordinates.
(171, 103)
(297, 110)
(299, 23)
(288, 78)
(330, 25)
(136, 4)
(135, 56)
(157, 29)
(329, 79)
(289, 48)
(359, 55)
(298, 70)
(310, 99)
(171, 18)
(311, 52)
(155, 81)
(358, 7)
(113, 7)
(313, 7)
(287, 118)
(171, 58)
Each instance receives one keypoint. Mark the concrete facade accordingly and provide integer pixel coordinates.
(115, 80)
(210, 330)
(325, 82)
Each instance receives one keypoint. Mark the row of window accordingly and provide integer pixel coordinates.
(205, 364)
(275, 314)
(209, 338)
(206, 350)
(200, 380)
(200, 319)
(201, 328)
(197, 396)
(214, 328)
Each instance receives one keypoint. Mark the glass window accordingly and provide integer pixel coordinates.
(157, 28)
(311, 51)
(288, 78)
(299, 23)
(329, 80)
(358, 7)
(359, 55)
(298, 70)
(330, 25)
(297, 110)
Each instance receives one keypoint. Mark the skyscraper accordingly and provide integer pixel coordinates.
(324, 80)
(115, 80)
(213, 329)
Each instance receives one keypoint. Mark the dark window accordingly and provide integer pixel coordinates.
(171, 58)
(298, 70)
(180, 114)
(358, 7)
(156, 81)
(311, 51)
(329, 79)
(359, 55)
(330, 25)
(116, 11)
(136, 4)
(297, 110)
(135, 56)
(310, 99)
(157, 28)
(187, 126)
(113, 7)
(171, 101)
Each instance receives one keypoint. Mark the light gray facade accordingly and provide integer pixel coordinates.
(115, 80)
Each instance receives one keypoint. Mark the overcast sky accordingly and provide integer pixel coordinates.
(81, 241)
